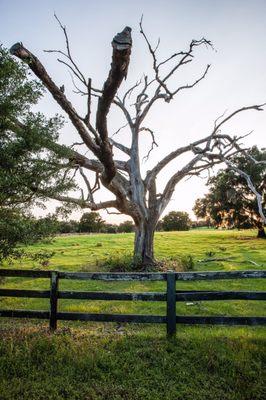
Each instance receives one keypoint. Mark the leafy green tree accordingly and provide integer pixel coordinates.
(230, 203)
(18, 228)
(70, 226)
(109, 228)
(176, 221)
(125, 227)
(91, 222)
(29, 158)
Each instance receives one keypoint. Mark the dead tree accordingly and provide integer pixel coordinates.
(132, 194)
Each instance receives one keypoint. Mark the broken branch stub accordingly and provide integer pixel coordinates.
(122, 44)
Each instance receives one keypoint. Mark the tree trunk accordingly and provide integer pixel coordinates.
(261, 231)
(143, 246)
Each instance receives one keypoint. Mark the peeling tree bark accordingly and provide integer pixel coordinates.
(144, 243)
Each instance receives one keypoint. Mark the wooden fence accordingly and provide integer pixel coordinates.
(171, 296)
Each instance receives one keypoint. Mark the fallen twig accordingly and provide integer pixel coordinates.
(205, 260)
(215, 259)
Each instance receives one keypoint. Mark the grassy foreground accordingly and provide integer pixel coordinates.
(199, 364)
(105, 361)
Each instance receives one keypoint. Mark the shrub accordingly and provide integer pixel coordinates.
(121, 263)
(187, 263)
(176, 221)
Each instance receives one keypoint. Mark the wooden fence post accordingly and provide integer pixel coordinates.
(53, 301)
(171, 304)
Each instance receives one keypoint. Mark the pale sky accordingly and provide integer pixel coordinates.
(237, 76)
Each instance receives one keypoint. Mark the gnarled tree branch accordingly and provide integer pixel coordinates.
(35, 65)
(122, 43)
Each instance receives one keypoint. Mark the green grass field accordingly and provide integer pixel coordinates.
(107, 361)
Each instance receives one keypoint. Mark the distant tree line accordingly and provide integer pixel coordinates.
(92, 222)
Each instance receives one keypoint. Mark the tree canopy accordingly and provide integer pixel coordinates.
(91, 222)
(30, 161)
(125, 227)
(230, 202)
(176, 221)
(26, 163)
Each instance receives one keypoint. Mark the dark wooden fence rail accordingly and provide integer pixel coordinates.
(171, 296)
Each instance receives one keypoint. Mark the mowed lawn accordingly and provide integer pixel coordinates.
(111, 361)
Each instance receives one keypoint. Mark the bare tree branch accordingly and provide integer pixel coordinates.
(83, 203)
(254, 107)
(75, 69)
(153, 141)
(120, 146)
(118, 130)
(127, 115)
(194, 146)
(130, 90)
(35, 65)
(192, 84)
(86, 180)
(171, 184)
(186, 57)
